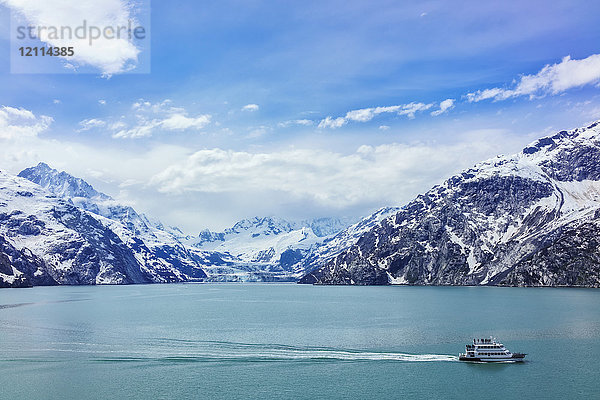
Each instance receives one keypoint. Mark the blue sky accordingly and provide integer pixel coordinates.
(229, 123)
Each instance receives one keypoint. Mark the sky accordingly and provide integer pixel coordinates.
(233, 109)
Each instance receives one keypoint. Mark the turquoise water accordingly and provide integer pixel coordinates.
(240, 341)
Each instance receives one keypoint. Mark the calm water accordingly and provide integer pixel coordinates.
(294, 341)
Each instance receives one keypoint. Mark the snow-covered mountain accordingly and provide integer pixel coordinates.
(266, 245)
(57, 242)
(528, 219)
(84, 239)
(21, 268)
(256, 249)
(268, 227)
(258, 239)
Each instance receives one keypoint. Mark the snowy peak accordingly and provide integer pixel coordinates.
(321, 227)
(81, 194)
(265, 226)
(569, 155)
(61, 183)
(566, 156)
(58, 242)
(588, 136)
(259, 228)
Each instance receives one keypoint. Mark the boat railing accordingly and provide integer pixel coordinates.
(490, 340)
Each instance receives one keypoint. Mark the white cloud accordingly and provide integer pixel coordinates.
(552, 79)
(411, 109)
(151, 117)
(250, 107)
(258, 132)
(367, 114)
(384, 128)
(444, 107)
(102, 102)
(8, 112)
(182, 122)
(187, 185)
(115, 126)
(91, 123)
(110, 56)
(18, 123)
(384, 174)
(163, 106)
(301, 122)
(362, 115)
(56, 101)
(484, 94)
(332, 123)
(143, 129)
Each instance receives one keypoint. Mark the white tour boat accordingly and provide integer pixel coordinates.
(488, 350)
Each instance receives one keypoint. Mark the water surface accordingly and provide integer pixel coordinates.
(294, 341)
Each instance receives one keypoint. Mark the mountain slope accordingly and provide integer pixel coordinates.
(529, 219)
(341, 241)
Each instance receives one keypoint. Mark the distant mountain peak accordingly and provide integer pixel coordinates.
(61, 183)
(267, 225)
(259, 227)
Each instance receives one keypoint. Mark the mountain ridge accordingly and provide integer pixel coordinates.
(503, 222)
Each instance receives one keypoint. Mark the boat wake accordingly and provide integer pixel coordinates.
(279, 357)
(181, 351)
(210, 351)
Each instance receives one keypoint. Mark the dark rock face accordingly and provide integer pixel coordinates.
(527, 220)
(569, 256)
(95, 244)
(343, 240)
(21, 267)
(179, 259)
(290, 257)
(575, 164)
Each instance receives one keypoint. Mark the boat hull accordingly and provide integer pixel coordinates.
(515, 358)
